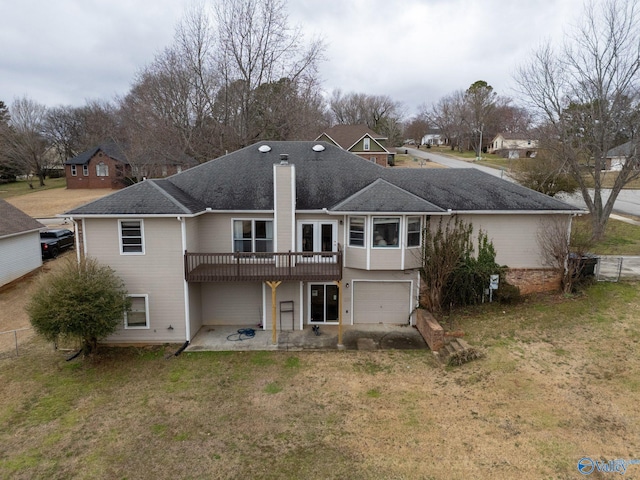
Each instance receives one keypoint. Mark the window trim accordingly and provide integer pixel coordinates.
(364, 230)
(147, 325)
(74, 171)
(85, 170)
(373, 226)
(102, 167)
(253, 234)
(419, 231)
(142, 242)
(366, 144)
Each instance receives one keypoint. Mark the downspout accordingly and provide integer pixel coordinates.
(187, 316)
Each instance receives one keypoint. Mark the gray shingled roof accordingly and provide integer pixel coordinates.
(624, 150)
(381, 196)
(14, 221)
(111, 149)
(331, 179)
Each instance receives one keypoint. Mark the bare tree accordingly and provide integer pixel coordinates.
(587, 95)
(23, 138)
(448, 115)
(257, 46)
(378, 112)
(562, 249)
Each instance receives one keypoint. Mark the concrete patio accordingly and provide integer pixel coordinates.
(354, 337)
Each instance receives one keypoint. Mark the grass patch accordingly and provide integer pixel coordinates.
(15, 189)
(553, 364)
(620, 238)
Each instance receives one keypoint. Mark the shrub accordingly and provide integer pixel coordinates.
(86, 301)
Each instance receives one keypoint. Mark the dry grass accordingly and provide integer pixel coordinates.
(560, 380)
(49, 203)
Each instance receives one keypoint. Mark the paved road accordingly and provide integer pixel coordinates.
(627, 203)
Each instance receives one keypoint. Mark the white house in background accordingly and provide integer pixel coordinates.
(434, 138)
(334, 238)
(513, 145)
(20, 251)
(617, 157)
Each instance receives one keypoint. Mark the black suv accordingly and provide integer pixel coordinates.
(52, 242)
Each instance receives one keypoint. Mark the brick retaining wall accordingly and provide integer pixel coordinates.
(535, 280)
(430, 330)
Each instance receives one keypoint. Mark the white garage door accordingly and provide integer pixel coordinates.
(381, 302)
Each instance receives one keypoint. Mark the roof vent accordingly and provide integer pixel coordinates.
(318, 148)
(284, 159)
(264, 148)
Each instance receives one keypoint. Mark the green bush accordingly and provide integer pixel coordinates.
(86, 301)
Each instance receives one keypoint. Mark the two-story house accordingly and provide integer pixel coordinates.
(513, 145)
(359, 140)
(333, 236)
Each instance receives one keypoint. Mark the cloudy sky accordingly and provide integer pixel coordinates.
(65, 52)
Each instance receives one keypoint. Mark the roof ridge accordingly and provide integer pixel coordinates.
(171, 198)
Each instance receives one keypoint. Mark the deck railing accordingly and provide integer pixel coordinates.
(247, 266)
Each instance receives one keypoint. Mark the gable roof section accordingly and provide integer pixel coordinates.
(151, 197)
(14, 221)
(346, 136)
(111, 149)
(624, 150)
(329, 179)
(382, 196)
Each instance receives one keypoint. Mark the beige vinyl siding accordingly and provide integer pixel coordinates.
(386, 258)
(286, 291)
(381, 302)
(159, 273)
(195, 307)
(19, 255)
(355, 257)
(192, 229)
(284, 207)
(215, 230)
(412, 258)
(515, 237)
(237, 303)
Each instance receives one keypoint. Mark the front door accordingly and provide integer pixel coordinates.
(323, 304)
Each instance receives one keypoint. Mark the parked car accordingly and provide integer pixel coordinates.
(54, 241)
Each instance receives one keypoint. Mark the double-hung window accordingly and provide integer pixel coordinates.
(366, 144)
(385, 232)
(131, 237)
(102, 170)
(74, 170)
(413, 231)
(138, 315)
(253, 236)
(85, 170)
(356, 232)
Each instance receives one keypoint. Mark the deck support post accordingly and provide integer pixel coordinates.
(274, 333)
(339, 284)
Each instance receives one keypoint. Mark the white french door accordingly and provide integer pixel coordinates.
(317, 236)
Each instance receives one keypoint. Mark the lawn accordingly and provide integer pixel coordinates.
(560, 381)
(22, 187)
(621, 238)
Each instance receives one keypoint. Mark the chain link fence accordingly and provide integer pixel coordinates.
(12, 341)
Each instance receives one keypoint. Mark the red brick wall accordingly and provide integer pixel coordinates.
(92, 180)
(380, 158)
(535, 280)
(430, 329)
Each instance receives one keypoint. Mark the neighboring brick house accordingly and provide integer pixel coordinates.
(106, 166)
(360, 140)
(333, 238)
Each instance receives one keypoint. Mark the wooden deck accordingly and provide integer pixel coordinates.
(258, 267)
